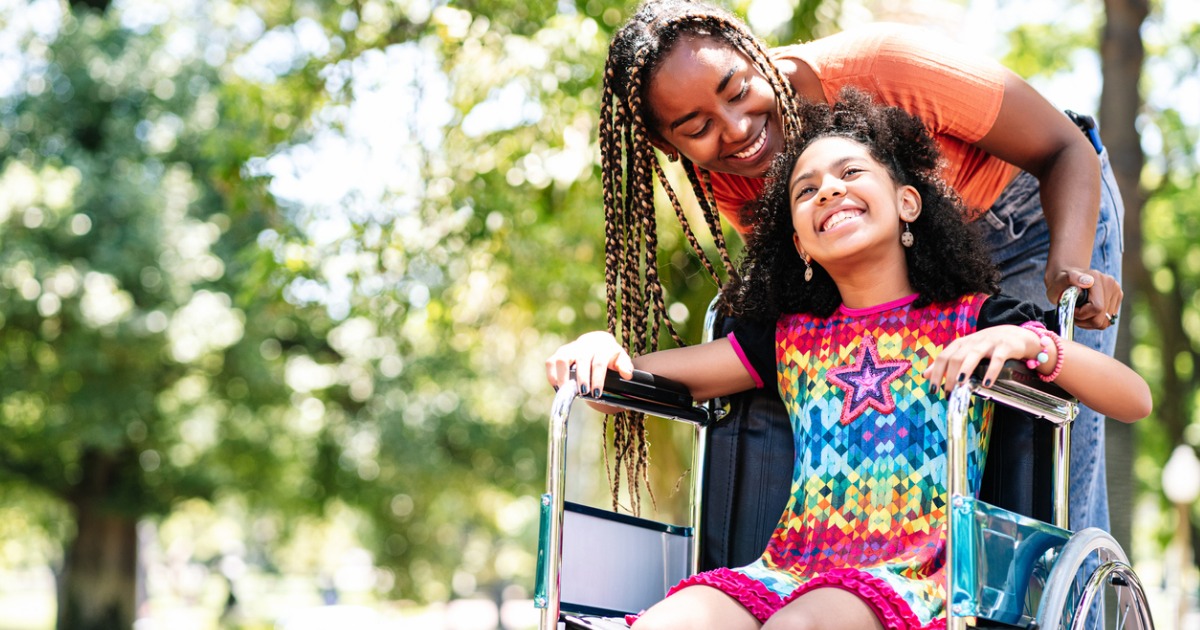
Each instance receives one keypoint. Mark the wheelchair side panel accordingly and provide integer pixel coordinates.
(999, 557)
(615, 564)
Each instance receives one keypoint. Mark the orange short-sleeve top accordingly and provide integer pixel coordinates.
(956, 95)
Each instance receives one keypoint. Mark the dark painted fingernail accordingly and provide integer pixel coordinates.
(961, 377)
(987, 382)
(933, 390)
(583, 390)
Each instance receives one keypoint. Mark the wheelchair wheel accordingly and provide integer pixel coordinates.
(1089, 569)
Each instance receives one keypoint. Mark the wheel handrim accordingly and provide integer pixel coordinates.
(1068, 601)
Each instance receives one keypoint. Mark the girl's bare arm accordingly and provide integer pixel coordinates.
(708, 370)
(1096, 379)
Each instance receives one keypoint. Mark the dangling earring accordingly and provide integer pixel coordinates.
(672, 157)
(807, 268)
(906, 238)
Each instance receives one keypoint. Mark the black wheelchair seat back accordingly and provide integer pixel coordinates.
(749, 477)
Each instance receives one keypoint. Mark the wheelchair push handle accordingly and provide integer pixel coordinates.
(1072, 298)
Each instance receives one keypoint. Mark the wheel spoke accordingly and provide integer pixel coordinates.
(1123, 614)
(1090, 568)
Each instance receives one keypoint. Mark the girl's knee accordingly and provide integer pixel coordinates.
(814, 619)
(669, 619)
(653, 622)
(794, 620)
(810, 611)
(696, 608)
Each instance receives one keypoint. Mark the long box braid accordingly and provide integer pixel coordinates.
(636, 307)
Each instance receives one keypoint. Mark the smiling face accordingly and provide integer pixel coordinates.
(846, 208)
(711, 104)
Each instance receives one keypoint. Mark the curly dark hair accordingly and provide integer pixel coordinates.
(946, 261)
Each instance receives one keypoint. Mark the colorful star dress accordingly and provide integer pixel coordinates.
(868, 501)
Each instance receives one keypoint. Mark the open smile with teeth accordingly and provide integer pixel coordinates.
(839, 217)
(753, 148)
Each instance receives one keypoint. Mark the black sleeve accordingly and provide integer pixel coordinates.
(1002, 309)
(755, 343)
(1021, 447)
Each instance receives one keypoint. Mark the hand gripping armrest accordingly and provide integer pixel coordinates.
(1020, 387)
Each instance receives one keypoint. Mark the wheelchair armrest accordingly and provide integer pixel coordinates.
(1019, 387)
(652, 394)
(1017, 373)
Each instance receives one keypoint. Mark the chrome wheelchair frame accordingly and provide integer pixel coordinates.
(1003, 569)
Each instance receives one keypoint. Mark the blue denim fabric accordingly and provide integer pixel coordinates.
(1016, 233)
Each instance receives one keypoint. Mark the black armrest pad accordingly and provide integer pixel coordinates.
(650, 388)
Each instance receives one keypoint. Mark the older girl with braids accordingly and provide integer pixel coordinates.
(864, 296)
(693, 82)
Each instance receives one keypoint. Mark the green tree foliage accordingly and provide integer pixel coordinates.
(1044, 50)
(310, 255)
(453, 272)
(1162, 214)
(1167, 335)
(170, 331)
(145, 342)
(488, 259)
(1171, 224)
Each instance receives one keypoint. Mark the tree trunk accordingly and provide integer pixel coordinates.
(99, 6)
(97, 585)
(1121, 56)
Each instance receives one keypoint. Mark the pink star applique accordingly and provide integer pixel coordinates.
(867, 381)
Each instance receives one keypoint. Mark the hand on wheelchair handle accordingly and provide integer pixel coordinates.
(1099, 301)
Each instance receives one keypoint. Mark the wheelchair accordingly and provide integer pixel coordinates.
(1011, 560)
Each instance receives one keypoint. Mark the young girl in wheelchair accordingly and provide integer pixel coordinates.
(863, 297)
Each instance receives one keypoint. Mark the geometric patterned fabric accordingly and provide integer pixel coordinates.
(868, 505)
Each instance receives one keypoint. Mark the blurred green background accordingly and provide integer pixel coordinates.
(277, 279)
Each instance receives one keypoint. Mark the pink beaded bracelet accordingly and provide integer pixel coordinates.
(1046, 338)
(1043, 355)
